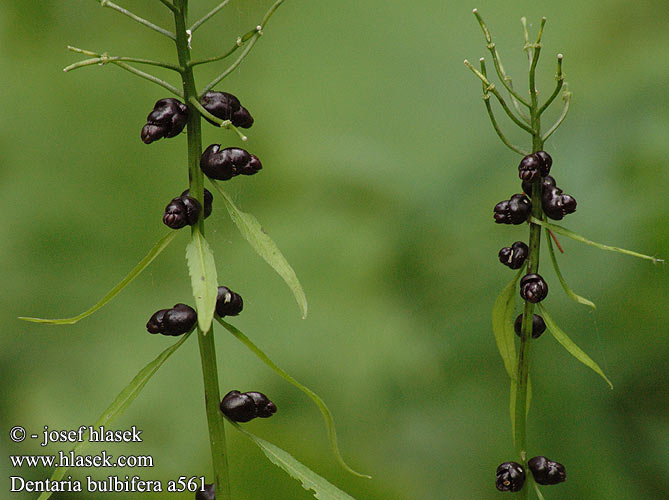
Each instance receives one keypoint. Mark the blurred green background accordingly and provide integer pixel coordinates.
(380, 173)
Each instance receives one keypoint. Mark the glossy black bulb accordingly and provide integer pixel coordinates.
(168, 119)
(264, 407)
(514, 256)
(516, 210)
(179, 320)
(547, 471)
(238, 407)
(228, 303)
(533, 288)
(226, 107)
(510, 476)
(208, 201)
(155, 323)
(538, 325)
(224, 164)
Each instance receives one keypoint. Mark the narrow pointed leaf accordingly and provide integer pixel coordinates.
(321, 488)
(119, 405)
(569, 234)
(141, 265)
(254, 233)
(538, 491)
(325, 411)
(570, 293)
(571, 347)
(502, 325)
(202, 270)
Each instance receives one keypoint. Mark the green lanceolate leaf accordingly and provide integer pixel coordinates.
(141, 265)
(538, 491)
(570, 293)
(119, 405)
(202, 270)
(572, 348)
(325, 411)
(569, 234)
(322, 489)
(254, 233)
(502, 325)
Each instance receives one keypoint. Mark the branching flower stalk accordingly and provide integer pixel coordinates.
(167, 120)
(546, 201)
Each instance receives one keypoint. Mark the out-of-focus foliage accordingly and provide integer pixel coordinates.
(380, 174)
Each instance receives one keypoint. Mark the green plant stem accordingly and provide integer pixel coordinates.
(523, 361)
(206, 17)
(491, 115)
(212, 396)
(559, 77)
(241, 40)
(169, 5)
(134, 17)
(253, 39)
(490, 87)
(506, 80)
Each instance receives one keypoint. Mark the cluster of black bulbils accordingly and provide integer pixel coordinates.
(181, 318)
(169, 117)
(510, 476)
(534, 168)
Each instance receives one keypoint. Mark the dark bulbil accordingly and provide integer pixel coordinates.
(155, 324)
(513, 211)
(546, 471)
(208, 493)
(538, 325)
(181, 212)
(533, 166)
(546, 183)
(533, 288)
(226, 107)
(264, 407)
(173, 322)
(208, 201)
(168, 119)
(184, 210)
(514, 256)
(510, 476)
(228, 303)
(556, 204)
(224, 164)
(243, 407)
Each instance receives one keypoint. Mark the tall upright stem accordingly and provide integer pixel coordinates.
(523, 360)
(212, 396)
